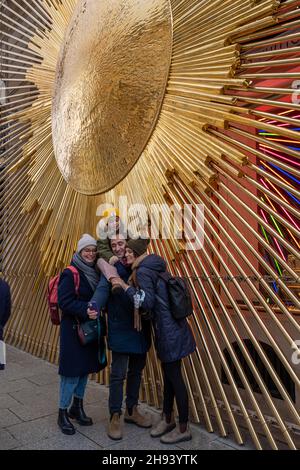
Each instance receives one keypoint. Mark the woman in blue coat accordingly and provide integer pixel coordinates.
(76, 362)
(173, 338)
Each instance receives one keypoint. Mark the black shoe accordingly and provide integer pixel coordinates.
(63, 422)
(77, 412)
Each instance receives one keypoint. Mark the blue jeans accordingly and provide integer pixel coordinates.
(135, 364)
(69, 387)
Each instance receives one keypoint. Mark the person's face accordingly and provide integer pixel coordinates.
(130, 256)
(89, 253)
(113, 223)
(118, 246)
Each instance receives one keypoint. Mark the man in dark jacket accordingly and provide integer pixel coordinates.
(129, 347)
(5, 309)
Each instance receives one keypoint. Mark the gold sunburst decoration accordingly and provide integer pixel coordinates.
(213, 120)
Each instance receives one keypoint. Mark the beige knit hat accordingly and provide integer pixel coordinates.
(86, 240)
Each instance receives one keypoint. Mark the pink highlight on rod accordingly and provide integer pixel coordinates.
(280, 156)
(280, 250)
(287, 123)
(283, 208)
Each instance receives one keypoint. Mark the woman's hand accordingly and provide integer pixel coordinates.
(93, 314)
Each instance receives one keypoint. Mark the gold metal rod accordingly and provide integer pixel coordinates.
(271, 194)
(266, 76)
(253, 151)
(261, 278)
(271, 54)
(274, 179)
(265, 142)
(244, 349)
(232, 354)
(275, 234)
(271, 63)
(271, 371)
(260, 203)
(277, 104)
(268, 42)
(257, 317)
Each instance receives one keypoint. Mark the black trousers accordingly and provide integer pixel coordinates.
(174, 387)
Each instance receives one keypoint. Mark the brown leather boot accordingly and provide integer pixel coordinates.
(143, 421)
(115, 427)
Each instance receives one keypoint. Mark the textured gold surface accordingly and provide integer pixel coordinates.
(110, 81)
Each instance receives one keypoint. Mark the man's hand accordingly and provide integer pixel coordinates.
(93, 314)
(123, 284)
(113, 260)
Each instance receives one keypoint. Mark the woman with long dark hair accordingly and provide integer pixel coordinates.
(173, 338)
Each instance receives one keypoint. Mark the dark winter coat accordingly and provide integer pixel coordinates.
(122, 337)
(5, 305)
(173, 339)
(75, 360)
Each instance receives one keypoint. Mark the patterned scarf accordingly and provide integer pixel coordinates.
(88, 270)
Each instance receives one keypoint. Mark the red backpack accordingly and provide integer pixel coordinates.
(52, 294)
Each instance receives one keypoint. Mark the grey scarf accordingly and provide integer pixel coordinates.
(88, 270)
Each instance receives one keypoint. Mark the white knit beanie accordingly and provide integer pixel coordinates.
(86, 240)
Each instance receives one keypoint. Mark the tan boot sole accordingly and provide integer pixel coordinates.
(169, 429)
(183, 439)
(115, 438)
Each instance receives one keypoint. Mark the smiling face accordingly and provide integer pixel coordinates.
(130, 256)
(118, 245)
(89, 253)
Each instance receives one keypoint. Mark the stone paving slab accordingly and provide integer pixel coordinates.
(29, 390)
(8, 419)
(62, 442)
(218, 445)
(7, 401)
(44, 378)
(7, 441)
(36, 430)
(9, 386)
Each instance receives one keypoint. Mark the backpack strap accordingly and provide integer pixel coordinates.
(165, 276)
(76, 278)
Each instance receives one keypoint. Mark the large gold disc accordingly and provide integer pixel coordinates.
(111, 78)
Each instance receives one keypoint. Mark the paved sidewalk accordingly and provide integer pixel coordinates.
(28, 414)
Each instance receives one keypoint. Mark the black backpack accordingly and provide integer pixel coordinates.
(180, 301)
